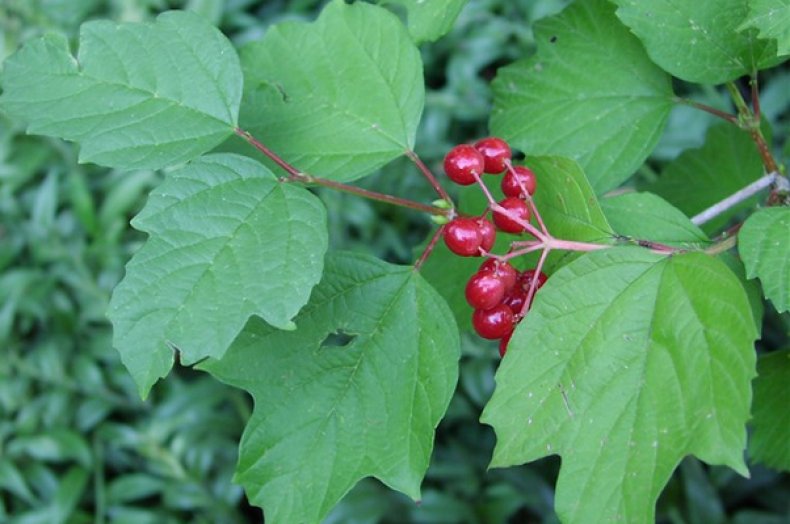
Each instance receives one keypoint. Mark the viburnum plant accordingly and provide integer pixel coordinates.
(637, 351)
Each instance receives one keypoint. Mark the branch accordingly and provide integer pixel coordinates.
(429, 248)
(429, 176)
(732, 119)
(297, 176)
(736, 198)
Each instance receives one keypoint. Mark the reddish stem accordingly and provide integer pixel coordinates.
(426, 172)
(296, 176)
(254, 142)
(429, 248)
(732, 119)
(533, 285)
(753, 84)
(494, 206)
(531, 202)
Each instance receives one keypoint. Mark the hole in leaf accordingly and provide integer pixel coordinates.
(338, 339)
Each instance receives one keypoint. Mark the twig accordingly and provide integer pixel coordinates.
(732, 119)
(428, 174)
(297, 176)
(734, 199)
(429, 248)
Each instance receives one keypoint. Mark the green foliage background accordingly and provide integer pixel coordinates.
(76, 442)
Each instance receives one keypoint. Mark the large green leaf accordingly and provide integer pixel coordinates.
(349, 104)
(627, 362)
(770, 440)
(590, 93)
(699, 178)
(772, 19)
(227, 241)
(355, 391)
(136, 95)
(646, 216)
(764, 246)
(697, 41)
(427, 21)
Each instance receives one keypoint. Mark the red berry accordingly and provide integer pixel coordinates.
(487, 233)
(503, 270)
(495, 153)
(525, 278)
(463, 237)
(503, 344)
(510, 182)
(484, 290)
(516, 207)
(462, 163)
(515, 300)
(493, 323)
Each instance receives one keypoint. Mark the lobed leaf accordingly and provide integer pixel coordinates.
(627, 362)
(590, 93)
(227, 241)
(768, 443)
(647, 216)
(136, 96)
(357, 390)
(764, 246)
(699, 178)
(349, 104)
(427, 21)
(772, 19)
(697, 41)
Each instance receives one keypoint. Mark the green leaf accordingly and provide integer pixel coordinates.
(772, 19)
(349, 104)
(699, 178)
(566, 201)
(427, 21)
(136, 96)
(591, 93)
(765, 250)
(697, 41)
(356, 391)
(627, 362)
(646, 216)
(227, 241)
(771, 423)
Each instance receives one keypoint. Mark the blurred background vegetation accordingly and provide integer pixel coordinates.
(76, 442)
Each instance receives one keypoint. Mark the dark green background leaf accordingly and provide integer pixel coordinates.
(699, 178)
(769, 443)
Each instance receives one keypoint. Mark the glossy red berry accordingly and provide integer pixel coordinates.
(484, 290)
(513, 180)
(487, 233)
(495, 153)
(503, 343)
(525, 278)
(493, 323)
(516, 207)
(515, 300)
(462, 237)
(462, 163)
(503, 270)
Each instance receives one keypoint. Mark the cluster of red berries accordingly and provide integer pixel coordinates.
(497, 291)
